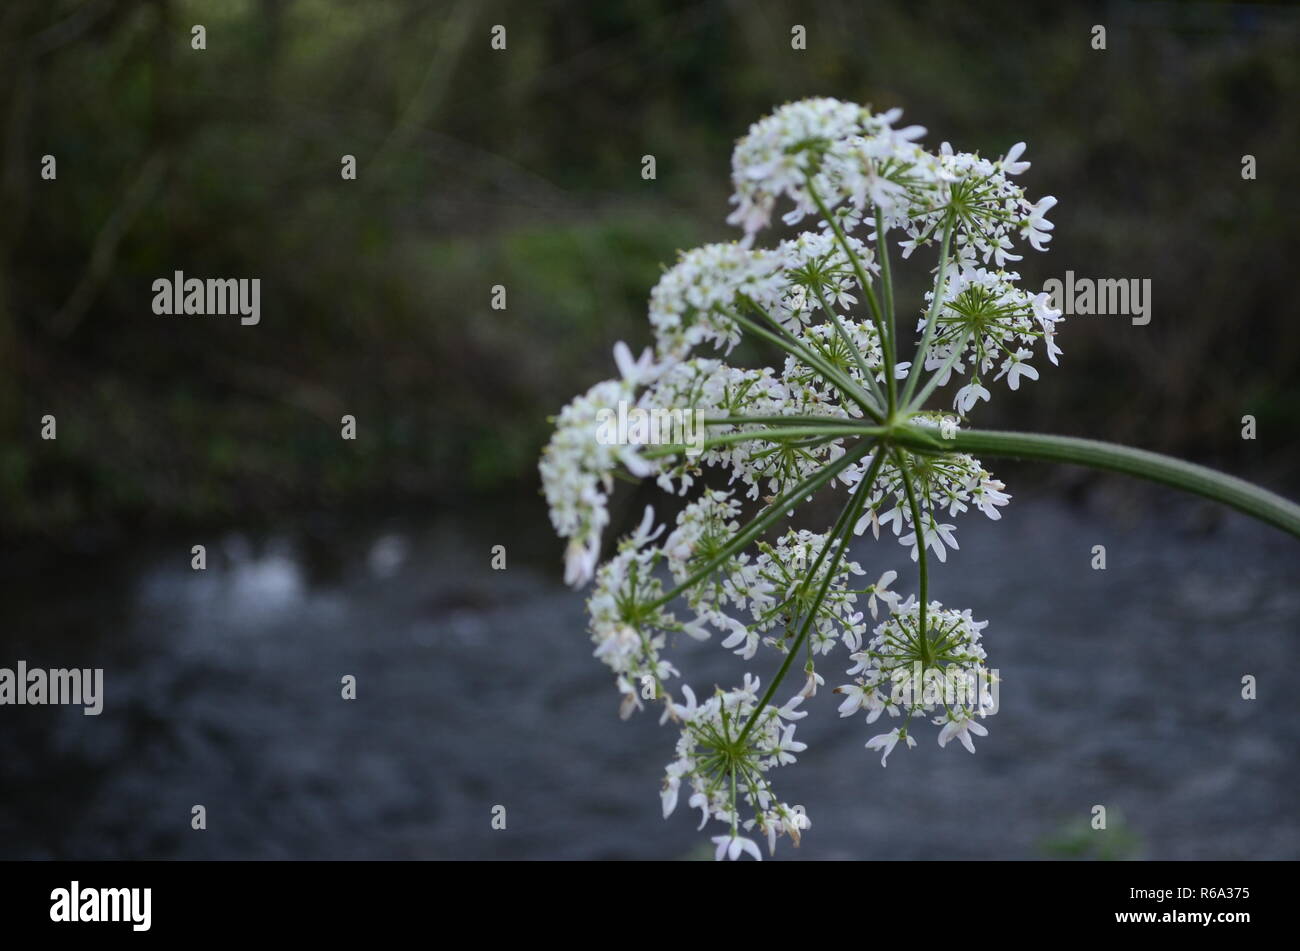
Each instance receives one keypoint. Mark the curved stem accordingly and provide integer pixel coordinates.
(1188, 476)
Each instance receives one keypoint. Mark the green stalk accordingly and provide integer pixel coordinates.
(919, 402)
(777, 420)
(920, 553)
(814, 357)
(886, 279)
(918, 362)
(767, 435)
(1237, 493)
(842, 531)
(797, 349)
(769, 515)
(886, 343)
(857, 354)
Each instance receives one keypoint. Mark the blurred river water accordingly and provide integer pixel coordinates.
(476, 688)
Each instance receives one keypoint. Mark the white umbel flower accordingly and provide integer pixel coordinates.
(733, 846)
(887, 741)
(823, 419)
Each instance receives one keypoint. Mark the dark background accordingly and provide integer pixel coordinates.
(522, 167)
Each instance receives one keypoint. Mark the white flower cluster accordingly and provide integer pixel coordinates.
(772, 589)
(815, 270)
(577, 476)
(727, 746)
(823, 149)
(626, 624)
(689, 305)
(943, 486)
(831, 417)
(813, 388)
(986, 320)
(715, 391)
(905, 671)
(986, 206)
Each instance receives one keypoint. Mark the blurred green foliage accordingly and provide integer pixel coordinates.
(1077, 839)
(522, 167)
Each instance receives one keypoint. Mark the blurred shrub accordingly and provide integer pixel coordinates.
(522, 167)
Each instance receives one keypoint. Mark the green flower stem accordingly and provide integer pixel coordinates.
(842, 532)
(765, 435)
(797, 349)
(769, 515)
(1237, 493)
(914, 373)
(886, 278)
(886, 343)
(853, 349)
(776, 420)
(917, 403)
(810, 352)
(920, 553)
(735, 813)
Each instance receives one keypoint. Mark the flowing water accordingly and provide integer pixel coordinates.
(476, 689)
